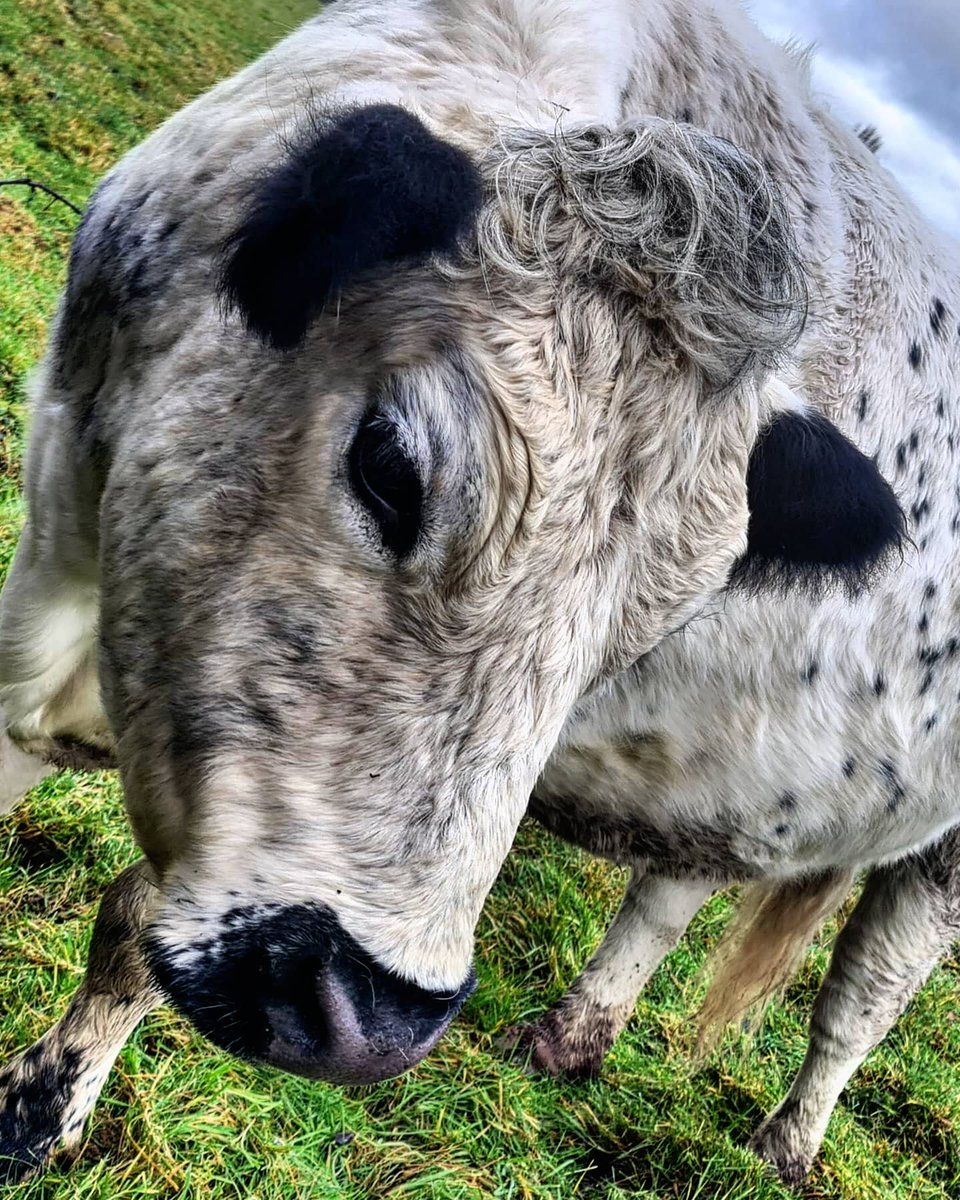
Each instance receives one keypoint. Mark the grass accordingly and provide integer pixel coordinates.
(79, 82)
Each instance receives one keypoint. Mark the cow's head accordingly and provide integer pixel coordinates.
(466, 439)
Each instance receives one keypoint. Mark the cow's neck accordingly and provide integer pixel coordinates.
(706, 63)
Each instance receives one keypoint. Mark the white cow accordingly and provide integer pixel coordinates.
(412, 395)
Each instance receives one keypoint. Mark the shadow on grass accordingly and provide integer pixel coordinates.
(883, 1104)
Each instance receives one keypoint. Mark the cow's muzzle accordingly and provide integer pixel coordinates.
(289, 987)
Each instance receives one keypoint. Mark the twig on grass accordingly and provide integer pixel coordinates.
(35, 186)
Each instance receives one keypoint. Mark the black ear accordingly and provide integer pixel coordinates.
(820, 511)
(372, 188)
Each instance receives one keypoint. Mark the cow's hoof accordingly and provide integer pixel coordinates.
(785, 1146)
(556, 1045)
(34, 1118)
(525, 1046)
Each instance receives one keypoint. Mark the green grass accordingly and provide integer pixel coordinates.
(80, 82)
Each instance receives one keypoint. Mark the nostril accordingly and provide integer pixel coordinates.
(293, 989)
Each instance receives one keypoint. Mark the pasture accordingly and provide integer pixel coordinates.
(81, 81)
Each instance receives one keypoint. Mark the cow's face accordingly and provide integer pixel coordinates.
(452, 461)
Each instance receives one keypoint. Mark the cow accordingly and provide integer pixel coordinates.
(480, 408)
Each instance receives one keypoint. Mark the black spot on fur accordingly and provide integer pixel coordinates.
(812, 671)
(263, 714)
(372, 188)
(923, 624)
(940, 413)
(293, 636)
(69, 754)
(879, 684)
(901, 456)
(168, 229)
(915, 355)
(930, 722)
(35, 1093)
(820, 511)
(864, 402)
(938, 317)
(849, 767)
(870, 136)
(896, 792)
(929, 656)
(788, 802)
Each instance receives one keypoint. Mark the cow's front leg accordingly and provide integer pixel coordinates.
(19, 771)
(905, 920)
(573, 1036)
(47, 1092)
(51, 716)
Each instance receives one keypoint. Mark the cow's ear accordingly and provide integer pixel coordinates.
(371, 188)
(820, 511)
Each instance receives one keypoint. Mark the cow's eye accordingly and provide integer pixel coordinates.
(386, 481)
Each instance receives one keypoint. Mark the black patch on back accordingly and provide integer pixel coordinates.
(372, 188)
(820, 511)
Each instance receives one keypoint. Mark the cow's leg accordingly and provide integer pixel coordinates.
(50, 711)
(906, 918)
(573, 1036)
(46, 1093)
(19, 771)
(52, 717)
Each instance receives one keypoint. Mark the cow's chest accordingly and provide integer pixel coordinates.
(745, 797)
(618, 801)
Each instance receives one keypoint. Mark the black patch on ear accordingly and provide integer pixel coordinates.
(370, 188)
(820, 511)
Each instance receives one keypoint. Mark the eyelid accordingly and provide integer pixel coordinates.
(386, 480)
